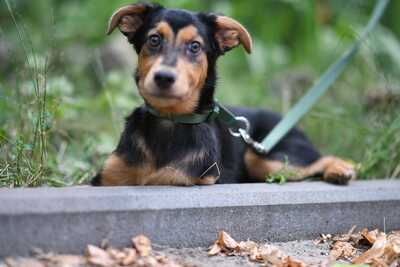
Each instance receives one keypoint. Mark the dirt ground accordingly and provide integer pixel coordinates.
(306, 251)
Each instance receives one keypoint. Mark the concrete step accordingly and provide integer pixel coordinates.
(65, 220)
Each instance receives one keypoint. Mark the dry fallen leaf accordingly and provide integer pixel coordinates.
(346, 237)
(63, 260)
(370, 236)
(271, 254)
(99, 257)
(342, 250)
(139, 256)
(214, 249)
(391, 254)
(267, 255)
(130, 257)
(289, 262)
(24, 263)
(375, 251)
(142, 244)
(226, 241)
(384, 250)
(247, 247)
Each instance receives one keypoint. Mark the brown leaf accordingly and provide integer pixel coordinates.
(23, 263)
(370, 236)
(142, 245)
(99, 257)
(271, 254)
(289, 262)
(214, 249)
(65, 260)
(375, 251)
(130, 257)
(342, 250)
(147, 262)
(116, 254)
(392, 249)
(346, 237)
(267, 255)
(247, 247)
(226, 241)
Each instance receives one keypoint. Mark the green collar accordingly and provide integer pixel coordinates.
(217, 112)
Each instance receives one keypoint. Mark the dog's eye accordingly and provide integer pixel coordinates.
(194, 47)
(154, 40)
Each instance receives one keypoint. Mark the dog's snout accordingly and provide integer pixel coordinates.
(164, 79)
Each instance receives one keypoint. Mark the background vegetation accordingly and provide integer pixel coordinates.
(65, 87)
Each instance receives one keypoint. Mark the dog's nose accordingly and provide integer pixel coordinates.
(164, 79)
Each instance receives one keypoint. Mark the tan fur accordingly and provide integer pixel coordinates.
(333, 169)
(117, 172)
(164, 30)
(188, 34)
(208, 180)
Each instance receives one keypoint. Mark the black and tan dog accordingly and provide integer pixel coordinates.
(176, 76)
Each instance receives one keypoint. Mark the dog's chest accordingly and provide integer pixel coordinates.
(180, 151)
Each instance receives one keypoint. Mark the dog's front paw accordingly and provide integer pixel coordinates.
(340, 172)
(208, 180)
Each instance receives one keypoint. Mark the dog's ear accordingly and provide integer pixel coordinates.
(130, 18)
(229, 33)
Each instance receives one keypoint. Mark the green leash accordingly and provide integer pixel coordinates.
(222, 114)
(321, 85)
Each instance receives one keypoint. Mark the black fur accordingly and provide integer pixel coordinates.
(169, 142)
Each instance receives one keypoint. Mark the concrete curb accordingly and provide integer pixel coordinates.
(67, 219)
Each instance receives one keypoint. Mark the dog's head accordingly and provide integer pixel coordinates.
(177, 52)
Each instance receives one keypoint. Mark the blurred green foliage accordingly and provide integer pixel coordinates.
(65, 87)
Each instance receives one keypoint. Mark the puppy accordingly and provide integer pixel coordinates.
(164, 141)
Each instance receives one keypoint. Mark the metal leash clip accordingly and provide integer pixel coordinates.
(246, 123)
(256, 146)
(244, 134)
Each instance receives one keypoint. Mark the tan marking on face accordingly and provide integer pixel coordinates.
(164, 30)
(188, 34)
(190, 74)
(146, 66)
(147, 63)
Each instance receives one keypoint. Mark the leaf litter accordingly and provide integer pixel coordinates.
(139, 255)
(266, 255)
(366, 247)
(363, 248)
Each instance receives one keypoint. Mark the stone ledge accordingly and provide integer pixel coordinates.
(67, 219)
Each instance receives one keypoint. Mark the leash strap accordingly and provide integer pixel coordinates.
(322, 85)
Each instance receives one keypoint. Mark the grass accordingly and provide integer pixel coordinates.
(62, 107)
